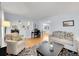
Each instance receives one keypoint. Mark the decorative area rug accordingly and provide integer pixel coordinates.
(66, 52)
(32, 52)
(26, 52)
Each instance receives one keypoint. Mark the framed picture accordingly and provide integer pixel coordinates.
(45, 27)
(14, 26)
(68, 23)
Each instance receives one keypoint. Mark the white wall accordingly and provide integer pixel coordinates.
(23, 31)
(14, 19)
(0, 24)
(56, 23)
(2, 34)
(0, 27)
(2, 43)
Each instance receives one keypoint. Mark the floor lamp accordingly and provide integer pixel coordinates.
(5, 24)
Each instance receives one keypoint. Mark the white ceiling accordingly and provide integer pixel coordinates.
(38, 10)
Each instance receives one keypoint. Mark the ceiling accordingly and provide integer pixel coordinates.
(39, 10)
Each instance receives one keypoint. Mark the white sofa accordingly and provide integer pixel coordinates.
(65, 38)
(15, 47)
(61, 41)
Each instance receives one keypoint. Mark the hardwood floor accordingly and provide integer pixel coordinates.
(35, 41)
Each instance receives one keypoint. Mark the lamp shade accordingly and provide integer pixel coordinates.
(28, 23)
(5, 23)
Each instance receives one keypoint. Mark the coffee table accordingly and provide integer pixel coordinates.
(43, 49)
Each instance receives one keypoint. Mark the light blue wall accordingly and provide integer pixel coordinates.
(14, 21)
(56, 23)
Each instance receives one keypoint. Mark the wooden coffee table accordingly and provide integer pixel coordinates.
(44, 49)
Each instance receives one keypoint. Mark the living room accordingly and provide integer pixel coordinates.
(56, 24)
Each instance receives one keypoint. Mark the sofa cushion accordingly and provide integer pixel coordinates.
(14, 36)
(63, 35)
(18, 38)
(62, 41)
(69, 36)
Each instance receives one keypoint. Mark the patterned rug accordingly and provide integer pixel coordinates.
(26, 52)
(32, 52)
(66, 52)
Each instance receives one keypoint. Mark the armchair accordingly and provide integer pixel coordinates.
(14, 46)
